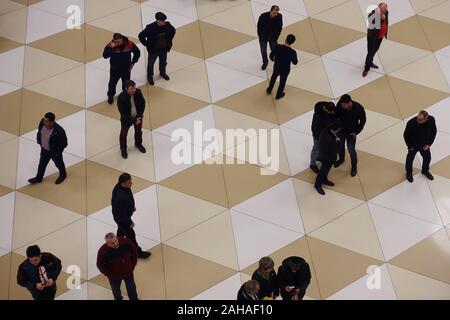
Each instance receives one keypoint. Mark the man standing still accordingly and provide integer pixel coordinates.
(294, 277)
(283, 55)
(131, 105)
(53, 140)
(119, 51)
(270, 25)
(378, 21)
(116, 259)
(157, 37)
(123, 208)
(419, 135)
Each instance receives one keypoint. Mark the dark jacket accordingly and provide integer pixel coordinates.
(28, 274)
(328, 146)
(120, 56)
(283, 57)
(243, 296)
(352, 120)
(58, 139)
(374, 32)
(419, 135)
(124, 106)
(299, 280)
(269, 28)
(117, 263)
(123, 207)
(268, 287)
(321, 119)
(149, 36)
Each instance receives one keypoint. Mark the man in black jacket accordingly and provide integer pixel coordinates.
(283, 55)
(248, 291)
(123, 207)
(378, 25)
(53, 140)
(294, 277)
(119, 51)
(131, 105)
(353, 119)
(324, 114)
(157, 37)
(38, 273)
(328, 149)
(270, 25)
(419, 135)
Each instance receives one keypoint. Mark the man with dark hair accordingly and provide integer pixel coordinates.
(353, 119)
(378, 25)
(119, 51)
(270, 25)
(328, 149)
(117, 259)
(283, 55)
(157, 37)
(53, 140)
(131, 105)
(294, 277)
(249, 291)
(419, 135)
(324, 114)
(123, 207)
(38, 273)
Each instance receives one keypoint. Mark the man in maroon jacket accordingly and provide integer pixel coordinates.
(117, 259)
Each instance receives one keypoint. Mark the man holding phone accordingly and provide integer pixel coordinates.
(131, 105)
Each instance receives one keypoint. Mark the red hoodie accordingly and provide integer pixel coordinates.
(117, 263)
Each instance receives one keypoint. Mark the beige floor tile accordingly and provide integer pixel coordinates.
(312, 77)
(10, 105)
(8, 168)
(188, 40)
(422, 5)
(100, 8)
(439, 188)
(347, 14)
(411, 97)
(437, 32)
(198, 275)
(337, 267)
(8, 6)
(394, 55)
(6, 44)
(431, 257)
(442, 168)
(102, 133)
(409, 32)
(22, 2)
(13, 25)
(6, 136)
(5, 270)
(315, 7)
(438, 12)
(206, 8)
(376, 123)
(179, 60)
(4, 190)
(306, 40)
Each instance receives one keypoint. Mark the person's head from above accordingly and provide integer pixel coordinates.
(130, 87)
(34, 255)
(274, 11)
(251, 287)
(160, 19)
(118, 39)
(383, 7)
(290, 39)
(295, 263)
(49, 120)
(422, 117)
(111, 240)
(346, 102)
(125, 180)
(330, 108)
(266, 266)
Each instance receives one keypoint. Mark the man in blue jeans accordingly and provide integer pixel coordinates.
(269, 26)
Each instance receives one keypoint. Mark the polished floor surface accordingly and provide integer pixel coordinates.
(207, 225)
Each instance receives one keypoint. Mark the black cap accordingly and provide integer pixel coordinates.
(160, 16)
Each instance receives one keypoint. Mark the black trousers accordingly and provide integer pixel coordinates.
(283, 78)
(45, 158)
(114, 76)
(46, 294)
(263, 45)
(323, 172)
(130, 285)
(351, 146)
(373, 45)
(124, 133)
(426, 155)
(126, 231)
(162, 55)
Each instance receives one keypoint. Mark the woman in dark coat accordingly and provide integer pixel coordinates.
(267, 279)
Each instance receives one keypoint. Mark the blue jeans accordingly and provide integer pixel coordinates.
(129, 284)
(314, 152)
(351, 146)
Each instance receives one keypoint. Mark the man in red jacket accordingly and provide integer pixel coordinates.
(117, 259)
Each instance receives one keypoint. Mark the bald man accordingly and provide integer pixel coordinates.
(377, 30)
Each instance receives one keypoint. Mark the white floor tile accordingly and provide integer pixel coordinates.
(186, 8)
(177, 20)
(298, 147)
(42, 24)
(6, 220)
(11, 64)
(225, 290)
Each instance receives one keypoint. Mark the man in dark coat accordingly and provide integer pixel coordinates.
(157, 37)
(53, 140)
(116, 259)
(269, 26)
(378, 22)
(328, 149)
(324, 114)
(294, 277)
(131, 105)
(419, 136)
(248, 291)
(123, 207)
(38, 273)
(353, 119)
(283, 55)
(119, 51)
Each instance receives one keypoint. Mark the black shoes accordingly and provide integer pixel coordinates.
(315, 169)
(365, 73)
(34, 180)
(264, 66)
(165, 77)
(329, 183)
(110, 100)
(151, 82)
(409, 177)
(269, 91)
(280, 96)
(338, 163)
(124, 153)
(354, 172)
(141, 148)
(375, 66)
(60, 179)
(320, 190)
(144, 255)
(428, 175)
